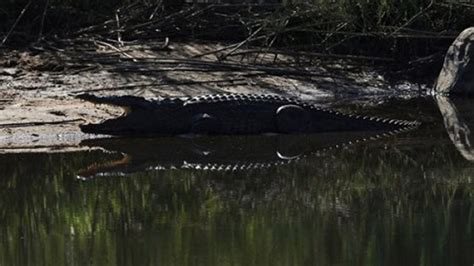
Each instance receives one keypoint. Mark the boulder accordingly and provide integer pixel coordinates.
(457, 74)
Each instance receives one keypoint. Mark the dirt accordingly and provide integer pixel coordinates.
(39, 111)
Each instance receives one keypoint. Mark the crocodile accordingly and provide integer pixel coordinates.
(230, 114)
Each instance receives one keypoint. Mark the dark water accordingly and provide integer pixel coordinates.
(397, 200)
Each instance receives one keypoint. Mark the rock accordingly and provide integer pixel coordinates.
(9, 71)
(457, 74)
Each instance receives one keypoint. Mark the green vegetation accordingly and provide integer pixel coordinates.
(402, 30)
(407, 28)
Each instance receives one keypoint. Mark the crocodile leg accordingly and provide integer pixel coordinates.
(292, 119)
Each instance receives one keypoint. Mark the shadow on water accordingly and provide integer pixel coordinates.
(403, 199)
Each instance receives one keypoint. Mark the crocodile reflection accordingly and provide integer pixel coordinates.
(458, 118)
(222, 153)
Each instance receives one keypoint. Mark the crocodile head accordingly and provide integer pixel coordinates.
(140, 117)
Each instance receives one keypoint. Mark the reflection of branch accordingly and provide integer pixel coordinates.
(456, 128)
(407, 157)
(106, 167)
(95, 215)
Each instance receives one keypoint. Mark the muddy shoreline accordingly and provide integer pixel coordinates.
(39, 111)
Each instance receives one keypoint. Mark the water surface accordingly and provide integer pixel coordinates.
(398, 200)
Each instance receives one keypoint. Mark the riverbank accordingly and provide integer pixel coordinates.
(38, 89)
(162, 51)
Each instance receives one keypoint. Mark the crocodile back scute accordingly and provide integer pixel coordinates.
(241, 97)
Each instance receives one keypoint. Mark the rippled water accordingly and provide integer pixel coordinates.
(397, 200)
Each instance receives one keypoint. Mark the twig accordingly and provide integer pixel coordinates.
(335, 56)
(236, 47)
(116, 49)
(458, 4)
(117, 19)
(153, 84)
(215, 51)
(223, 48)
(166, 44)
(413, 18)
(224, 67)
(165, 20)
(338, 28)
(427, 35)
(39, 123)
(15, 23)
(158, 5)
(43, 17)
